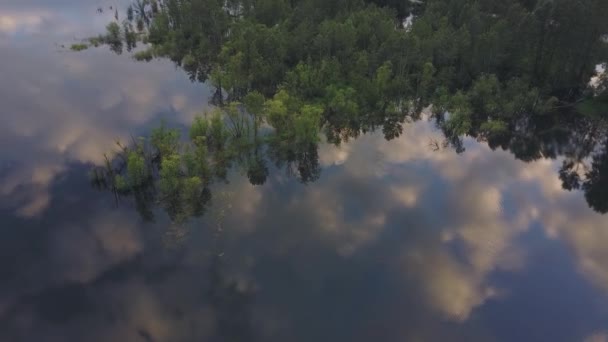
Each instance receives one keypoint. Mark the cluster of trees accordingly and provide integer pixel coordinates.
(177, 174)
(357, 57)
(500, 71)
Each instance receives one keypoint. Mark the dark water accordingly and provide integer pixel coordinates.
(397, 240)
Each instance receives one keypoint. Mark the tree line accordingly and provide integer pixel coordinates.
(506, 72)
(485, 62)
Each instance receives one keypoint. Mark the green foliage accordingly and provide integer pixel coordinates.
(165, 141)
(278, 111)
(121, 183)
(113, 37)
(130, 36)
(426, 80)
(271, 12)
(482, 61)
(96, 41)
(177, 174)
(494, 127)
(254, 103)
(358, 49)
(144, 55)
(79, 47)
(199, 129)
(460, 121)
(488, 106)
(192, 189)
(197, 164)
(342, 100)
(307, 124)
(485, 95)
(306, 80)
(217, 133)
(137, 171)
(519, 98)
(489, 69)
(597, 182)
(181, 194)
(257, 171)
(238, 123)
(170, 176)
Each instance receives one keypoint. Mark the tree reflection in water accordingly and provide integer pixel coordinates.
(513, 74)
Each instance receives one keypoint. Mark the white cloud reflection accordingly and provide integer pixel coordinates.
(21, 22)
(597, 337)
(63, 107)
(489, 199)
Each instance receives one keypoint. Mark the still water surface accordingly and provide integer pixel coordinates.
(399, 240)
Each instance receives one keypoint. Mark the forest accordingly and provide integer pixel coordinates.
(515, 74)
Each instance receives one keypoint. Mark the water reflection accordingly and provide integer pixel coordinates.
(386, 240)
(377, 194)
(361, 253)
(177, 175)
(373, 212)
(51, 116)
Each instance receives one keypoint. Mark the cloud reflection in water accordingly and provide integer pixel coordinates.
(394, 242)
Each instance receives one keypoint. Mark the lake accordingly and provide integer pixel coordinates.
(398, 240)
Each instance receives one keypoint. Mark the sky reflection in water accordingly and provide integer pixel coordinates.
(394, 242)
